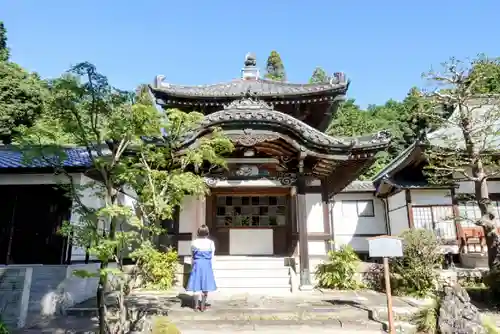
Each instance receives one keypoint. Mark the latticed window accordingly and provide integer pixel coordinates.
(436, 218)
(237, 211)
(470, 212)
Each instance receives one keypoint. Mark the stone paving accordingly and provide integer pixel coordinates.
(313, 311)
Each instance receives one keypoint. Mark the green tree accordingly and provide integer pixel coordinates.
(4, 50)
(275, 70)
(112, 128)
(319, 76)
(466, 142)
(484, 75)
(22, 94)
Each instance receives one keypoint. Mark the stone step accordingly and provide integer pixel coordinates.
(287, 326)
(248, 265)
(256, 273)
(246, 262)
(252, 282)
(279, 290)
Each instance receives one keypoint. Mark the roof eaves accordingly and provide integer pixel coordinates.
(396, 162)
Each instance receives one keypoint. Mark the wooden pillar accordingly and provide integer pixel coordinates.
(305, 274)
(328, 223)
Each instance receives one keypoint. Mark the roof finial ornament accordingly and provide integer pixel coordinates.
(250, 71)
(250, 59)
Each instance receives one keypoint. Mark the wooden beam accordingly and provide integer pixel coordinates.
(305, 274)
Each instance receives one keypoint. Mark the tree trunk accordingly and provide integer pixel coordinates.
(487, 220)
(101, 306)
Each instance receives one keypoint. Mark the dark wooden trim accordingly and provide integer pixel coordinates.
(432, 206)
(303, 235)
(326, 211)
(252, 227)
(409, 208)
(318, 236)
(184, 236)
(87, 256)
(253, 191)
(458, 227)
(494, 196)
(69, 252)
(314, 189)
(11, 231)
(387, 218)
(86, 261)
(399, 207)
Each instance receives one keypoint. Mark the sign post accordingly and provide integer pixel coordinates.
(386, 246)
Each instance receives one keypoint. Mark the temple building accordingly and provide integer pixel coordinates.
(273, 200)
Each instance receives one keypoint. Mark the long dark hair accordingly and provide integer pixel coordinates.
(203, 231)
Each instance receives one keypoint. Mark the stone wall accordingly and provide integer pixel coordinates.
(37, 291)
(12, 281)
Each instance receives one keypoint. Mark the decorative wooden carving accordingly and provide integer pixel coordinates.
(250, 138)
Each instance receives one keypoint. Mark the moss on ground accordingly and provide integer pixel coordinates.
(161, 325)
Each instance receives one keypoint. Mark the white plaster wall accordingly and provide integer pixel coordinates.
(251, 242)
(397, 200)
(398, 220)
(317, 247)
(430, 197)
(314, 209)
(184, 248)
(90, 196)
(347, 225)
(192, 216)
(360, 244)
(187, 215)
(31, 179)
(467, 187)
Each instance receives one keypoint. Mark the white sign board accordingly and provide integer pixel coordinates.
(385, 246)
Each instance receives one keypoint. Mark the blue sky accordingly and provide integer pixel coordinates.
(383, 46)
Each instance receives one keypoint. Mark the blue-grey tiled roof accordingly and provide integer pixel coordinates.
(13, 158)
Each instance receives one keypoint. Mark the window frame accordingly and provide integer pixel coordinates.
(357, 202)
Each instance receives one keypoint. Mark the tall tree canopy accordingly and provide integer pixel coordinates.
(319, 75)
(22, 94)
(275, 70)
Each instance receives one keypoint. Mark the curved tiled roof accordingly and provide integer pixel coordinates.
(13, 158)
(256, 114)
(242, 87)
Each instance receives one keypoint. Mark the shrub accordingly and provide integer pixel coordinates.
(427, 318)
(3, 327)
(415, 273)
(339, 271)
(490, 327)
(156, 268)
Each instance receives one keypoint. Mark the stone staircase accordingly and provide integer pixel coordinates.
(252, 273)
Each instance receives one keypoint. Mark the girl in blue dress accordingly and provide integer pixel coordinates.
(202, 274)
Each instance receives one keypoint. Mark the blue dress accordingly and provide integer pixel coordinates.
(202, 277)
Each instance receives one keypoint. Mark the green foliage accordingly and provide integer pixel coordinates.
(22, 94)
(3, 327)
(319, 76)
(4, 50)
(157, 269)
(490, 327)
(403, 120)
(484, 76)
(111, 125)
(415, 273)
(275, 68)
(339, 272)
(426, 319)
